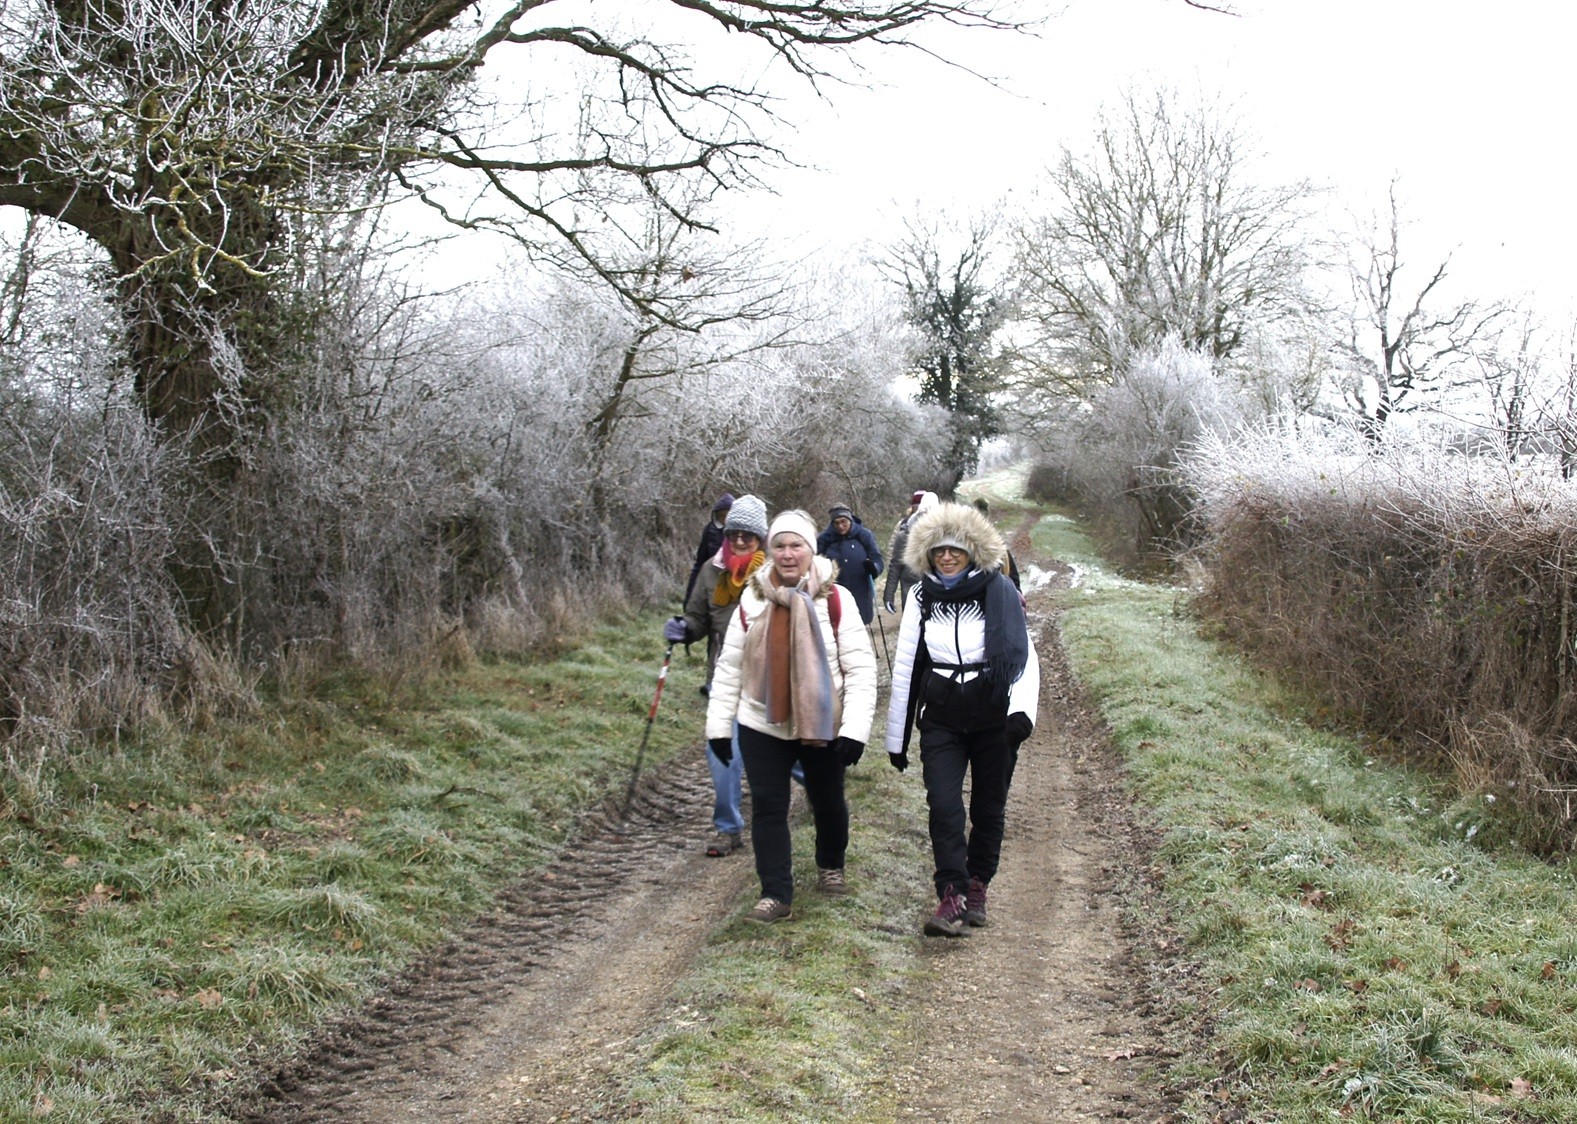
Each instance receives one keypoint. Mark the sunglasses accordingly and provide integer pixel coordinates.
(958, 550)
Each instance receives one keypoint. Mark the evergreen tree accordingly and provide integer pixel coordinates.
(955, 311)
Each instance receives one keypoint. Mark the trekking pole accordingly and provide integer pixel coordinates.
(882, 628)
(651, 716)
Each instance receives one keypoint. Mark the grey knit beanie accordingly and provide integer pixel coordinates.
(749, 513)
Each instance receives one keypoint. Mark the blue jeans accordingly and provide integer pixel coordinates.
(728, 788)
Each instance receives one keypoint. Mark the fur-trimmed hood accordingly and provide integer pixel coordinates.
(954, 523)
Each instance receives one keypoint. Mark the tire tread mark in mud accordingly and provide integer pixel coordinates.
(427, 1003)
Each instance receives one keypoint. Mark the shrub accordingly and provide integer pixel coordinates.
(1428, 593)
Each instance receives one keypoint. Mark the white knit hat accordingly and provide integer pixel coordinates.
(795, 522)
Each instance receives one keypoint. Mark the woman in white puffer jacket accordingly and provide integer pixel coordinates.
(798, 673)
(967, 676)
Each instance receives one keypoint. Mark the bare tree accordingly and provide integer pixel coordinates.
(1553, 412)
(1405, 343)
(1157, 232)
(191, 140)
(1508, 369)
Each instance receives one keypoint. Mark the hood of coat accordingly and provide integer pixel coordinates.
(960, 525)
(825, 568)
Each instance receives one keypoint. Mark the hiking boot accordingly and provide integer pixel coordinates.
(948, 920)
(975, 904)
(724, 843)
(829, 880)
(768, 910)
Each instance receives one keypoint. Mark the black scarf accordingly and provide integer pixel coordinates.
(1007, 635)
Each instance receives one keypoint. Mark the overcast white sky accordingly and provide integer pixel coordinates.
(1467, 103)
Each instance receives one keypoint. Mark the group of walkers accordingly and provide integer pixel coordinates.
(792, 684)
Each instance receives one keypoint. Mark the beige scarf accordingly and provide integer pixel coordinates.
(785, 662)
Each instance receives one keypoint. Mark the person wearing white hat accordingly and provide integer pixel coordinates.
(798, 674)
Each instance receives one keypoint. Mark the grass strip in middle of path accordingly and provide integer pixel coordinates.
(799, 1021)
(1362, 950)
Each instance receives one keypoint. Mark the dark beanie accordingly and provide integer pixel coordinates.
(724, 502)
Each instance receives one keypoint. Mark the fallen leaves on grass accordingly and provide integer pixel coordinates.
(102, 895)
(209, 998)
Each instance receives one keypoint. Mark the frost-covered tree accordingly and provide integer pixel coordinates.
(1119, 450)
(1406, 340)
(193, 141)
(1158, 230)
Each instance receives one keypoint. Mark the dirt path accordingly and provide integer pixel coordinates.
(1042, 1015)
(524, 1017)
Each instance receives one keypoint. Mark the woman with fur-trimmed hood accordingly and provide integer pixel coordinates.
(798, 674)
(966, 674)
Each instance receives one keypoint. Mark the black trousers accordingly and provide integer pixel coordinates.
(965, 846)
(768, 763)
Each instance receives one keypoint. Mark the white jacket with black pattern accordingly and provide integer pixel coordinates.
(850, 659)
(951, 638)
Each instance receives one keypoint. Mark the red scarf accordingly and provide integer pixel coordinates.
(737, 569)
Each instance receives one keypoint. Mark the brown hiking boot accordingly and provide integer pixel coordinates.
(768, 910)
(724, 843)
(830, 880)
(975, 904)
(948, 920)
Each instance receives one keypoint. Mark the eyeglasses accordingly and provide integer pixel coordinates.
(958, 550)
(741, 536)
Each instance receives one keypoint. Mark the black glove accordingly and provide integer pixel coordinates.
(848, 751)
(1019, 727)
(722, 749)
(899, 761)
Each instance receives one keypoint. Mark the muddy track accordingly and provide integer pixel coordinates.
(519, 1014)
(526, 1015)
(1046, 1014)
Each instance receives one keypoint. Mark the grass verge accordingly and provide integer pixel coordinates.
(171, 911)
(1367, 947)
